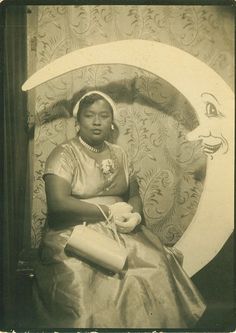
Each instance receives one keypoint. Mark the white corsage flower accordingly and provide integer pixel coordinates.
(107, 166)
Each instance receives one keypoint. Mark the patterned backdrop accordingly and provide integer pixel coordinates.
(153, 117)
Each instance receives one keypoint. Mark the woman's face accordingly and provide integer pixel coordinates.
(95, 122)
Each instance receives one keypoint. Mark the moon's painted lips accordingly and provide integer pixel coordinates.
(212, 148)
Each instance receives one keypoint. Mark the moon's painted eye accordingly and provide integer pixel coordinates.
(211, 110)
(212, 106)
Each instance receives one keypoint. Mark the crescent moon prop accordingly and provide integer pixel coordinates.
(213, 102)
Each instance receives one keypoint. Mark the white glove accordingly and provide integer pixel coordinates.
(126, 223)
(120, 208)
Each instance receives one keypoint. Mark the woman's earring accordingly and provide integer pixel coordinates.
(77, 127)
(112, 127)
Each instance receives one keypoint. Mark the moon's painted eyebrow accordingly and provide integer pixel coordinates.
(206, 93)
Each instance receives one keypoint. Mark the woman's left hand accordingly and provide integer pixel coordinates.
(127, 222)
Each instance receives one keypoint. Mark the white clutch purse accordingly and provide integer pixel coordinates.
(97, 247)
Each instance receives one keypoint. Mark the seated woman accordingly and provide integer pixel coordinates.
(152, 291)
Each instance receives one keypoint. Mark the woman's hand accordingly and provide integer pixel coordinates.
(120, 208)
(127, 222)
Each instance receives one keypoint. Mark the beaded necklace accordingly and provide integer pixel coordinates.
(94, 150)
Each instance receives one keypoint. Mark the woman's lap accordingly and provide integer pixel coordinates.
(152, 290)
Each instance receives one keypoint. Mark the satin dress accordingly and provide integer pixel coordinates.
(152, 291)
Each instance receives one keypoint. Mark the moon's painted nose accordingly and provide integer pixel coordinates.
(198, 133)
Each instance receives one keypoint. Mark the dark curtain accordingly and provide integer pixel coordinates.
(16, 225)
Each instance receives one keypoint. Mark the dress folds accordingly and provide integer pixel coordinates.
(152, 291)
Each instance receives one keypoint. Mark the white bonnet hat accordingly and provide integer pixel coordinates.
(105, 96)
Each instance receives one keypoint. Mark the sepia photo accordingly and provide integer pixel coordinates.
(118, 175)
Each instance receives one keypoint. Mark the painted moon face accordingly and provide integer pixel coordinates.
(213, 102)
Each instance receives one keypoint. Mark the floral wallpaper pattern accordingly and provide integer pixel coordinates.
(153, 121)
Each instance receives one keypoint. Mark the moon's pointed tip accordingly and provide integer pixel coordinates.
(24, 87)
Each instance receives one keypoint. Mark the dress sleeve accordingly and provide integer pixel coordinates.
(60, 163)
